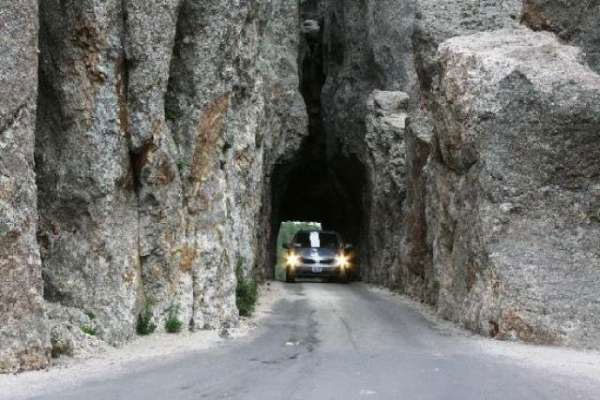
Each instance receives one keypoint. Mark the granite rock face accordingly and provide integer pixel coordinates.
(88, 231)
(513, 188)
(438, 20)
(158, 124)
(414, 270)
(24, 335)
(386, 164)
(151, 177)
(435, 22)
(573, 21)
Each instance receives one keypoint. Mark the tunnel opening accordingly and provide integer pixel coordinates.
(322, 181)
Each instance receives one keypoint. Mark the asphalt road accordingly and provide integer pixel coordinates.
(330, 341)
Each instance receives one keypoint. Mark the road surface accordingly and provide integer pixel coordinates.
(331, 341)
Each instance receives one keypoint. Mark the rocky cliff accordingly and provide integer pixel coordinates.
(24, 340)
(149, 149)
(156, 125)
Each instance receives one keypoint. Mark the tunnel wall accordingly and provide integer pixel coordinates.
(431, 229)
(158, 124)
(24, 335)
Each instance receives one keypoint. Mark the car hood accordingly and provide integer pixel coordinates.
(321, 252)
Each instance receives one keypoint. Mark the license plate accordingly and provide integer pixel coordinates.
(317, 270)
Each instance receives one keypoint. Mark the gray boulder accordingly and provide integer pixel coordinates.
(439, 20)
(513, 191)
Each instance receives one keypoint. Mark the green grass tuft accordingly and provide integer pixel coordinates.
(173, 324)
(246, 292)
(145, 326)
(88, 330)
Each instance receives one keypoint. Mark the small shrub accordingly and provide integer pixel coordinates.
(246, 293)
(183, 166)
(90, 315)
(173, 324)
(88, 330)
(145, 326)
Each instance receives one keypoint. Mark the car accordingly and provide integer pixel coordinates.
(318, 254)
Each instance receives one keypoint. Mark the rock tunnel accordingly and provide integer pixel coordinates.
(320, 183)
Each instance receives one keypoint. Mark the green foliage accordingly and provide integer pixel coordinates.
(173, 324)
(145, 326)
(90, 315)
(182, 165)
(246, 292)
(88, 330)
(286, 233)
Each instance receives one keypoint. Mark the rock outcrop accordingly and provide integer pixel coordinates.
(88, 231)
(573, 21)
(512, 206)
(439, 20)
(24, 336)
(158, 124)
(386, 163)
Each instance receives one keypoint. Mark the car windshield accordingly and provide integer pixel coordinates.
(317, 240)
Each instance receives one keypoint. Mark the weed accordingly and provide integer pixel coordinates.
(88, 330)
(173, 324)
(246, 292)
(182, 165)
(145, 326)
(90, 315)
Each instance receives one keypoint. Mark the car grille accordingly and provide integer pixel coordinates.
(324, 261)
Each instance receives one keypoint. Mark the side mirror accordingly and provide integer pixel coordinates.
(286, 246)
(348, 247)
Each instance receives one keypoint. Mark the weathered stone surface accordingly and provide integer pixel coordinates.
(24, 340)
(158, 125)
(414, 273)
(438, 20)
(513, 188)
(149, 53)
(386, 164)
(367, 46)
(88, 230)
(72, 332)
(572, 20)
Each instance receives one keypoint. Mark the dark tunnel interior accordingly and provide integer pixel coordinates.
(320, 183)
